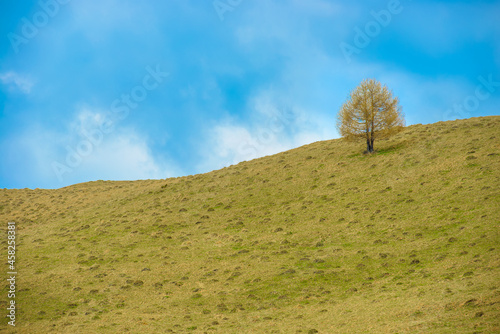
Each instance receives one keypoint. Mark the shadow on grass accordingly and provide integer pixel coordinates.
(390, 149)
(386, 150)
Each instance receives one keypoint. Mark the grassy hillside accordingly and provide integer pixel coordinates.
(319, 239)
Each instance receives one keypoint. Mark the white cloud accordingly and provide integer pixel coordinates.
(16, 82)
(122, 157)
(121, 154)
(274, 127)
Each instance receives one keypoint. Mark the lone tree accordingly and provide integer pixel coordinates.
(371, 112)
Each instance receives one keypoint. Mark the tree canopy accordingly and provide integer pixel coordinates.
(371, 112)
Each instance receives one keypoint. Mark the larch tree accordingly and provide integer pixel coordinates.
(371, 112)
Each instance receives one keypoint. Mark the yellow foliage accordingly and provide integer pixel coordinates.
(371, 112)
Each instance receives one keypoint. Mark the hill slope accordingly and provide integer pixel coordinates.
(317, 239)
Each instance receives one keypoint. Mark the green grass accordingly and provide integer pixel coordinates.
(321, 238)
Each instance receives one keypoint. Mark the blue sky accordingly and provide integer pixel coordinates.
(126, 90)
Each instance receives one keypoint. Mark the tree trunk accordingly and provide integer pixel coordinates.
(369, 145)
